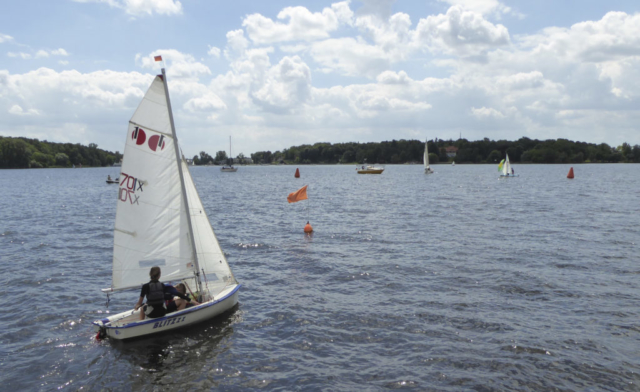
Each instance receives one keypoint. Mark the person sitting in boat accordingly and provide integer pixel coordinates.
(512, 171)
(109, 177)
(156, 293)
(178, 302)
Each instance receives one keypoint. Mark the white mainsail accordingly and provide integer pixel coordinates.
(151, 221)
(506, 168)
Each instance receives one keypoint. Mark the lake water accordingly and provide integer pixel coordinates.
(451, 281)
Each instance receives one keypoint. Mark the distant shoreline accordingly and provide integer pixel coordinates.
(23, 153)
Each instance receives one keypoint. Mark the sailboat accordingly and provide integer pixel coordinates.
(427, 168)
(229, 168)
(505, 168)
(160, 221)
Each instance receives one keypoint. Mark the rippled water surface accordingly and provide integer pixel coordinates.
(452, 281)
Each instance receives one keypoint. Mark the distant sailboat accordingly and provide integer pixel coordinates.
(427, 168)
(229, 168)
(505, 168)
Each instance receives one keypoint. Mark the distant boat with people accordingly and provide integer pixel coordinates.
(112, 181)
(369, 169)
(505, 168)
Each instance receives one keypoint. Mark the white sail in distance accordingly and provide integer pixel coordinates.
(426, 155)
(506, 168)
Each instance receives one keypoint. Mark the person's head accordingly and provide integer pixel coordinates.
(181, 288)
(154, 273)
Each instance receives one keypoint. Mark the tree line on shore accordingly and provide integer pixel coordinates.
(524, 150)
(32, 153)
(22, 153)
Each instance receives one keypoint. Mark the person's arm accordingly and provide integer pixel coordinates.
(143, 292)
(183, 296)
(188, 299)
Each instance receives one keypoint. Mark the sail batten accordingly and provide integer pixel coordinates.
(151, 129)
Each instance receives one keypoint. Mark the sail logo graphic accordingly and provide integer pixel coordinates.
(128, 188)
(139, 136)
(155, 142)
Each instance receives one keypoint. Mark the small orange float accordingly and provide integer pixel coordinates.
(308, 228)
(297, 173)
(570, 175)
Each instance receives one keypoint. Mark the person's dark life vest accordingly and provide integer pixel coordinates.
(155, 297)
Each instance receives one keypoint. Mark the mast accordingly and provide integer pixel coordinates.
(230, 154)
(184, 190)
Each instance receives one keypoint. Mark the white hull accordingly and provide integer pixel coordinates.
(428, 171)
(127, 325)
(369, 170)
(509, 175)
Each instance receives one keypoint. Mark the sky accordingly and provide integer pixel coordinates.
(278, 73)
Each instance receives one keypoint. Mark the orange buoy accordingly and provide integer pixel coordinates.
(308, 228)
(297, 173)
(570, 175)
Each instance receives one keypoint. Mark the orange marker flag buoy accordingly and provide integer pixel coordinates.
(308, 228)
(297, 173)
(570, 175)
(300, 194)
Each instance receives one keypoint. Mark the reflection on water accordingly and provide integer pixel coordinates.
(163, 359)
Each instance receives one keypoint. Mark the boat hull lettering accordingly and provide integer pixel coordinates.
(164, 323)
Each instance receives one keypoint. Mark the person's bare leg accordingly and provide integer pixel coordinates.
(181, 303)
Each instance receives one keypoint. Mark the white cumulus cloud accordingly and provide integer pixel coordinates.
(486, 112)
(142, 7)
(350, 56)
(460, 32)
(179, 65)
(302, 24)
(17, 110)
(214, 52)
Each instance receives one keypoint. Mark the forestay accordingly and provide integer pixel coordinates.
(151, 222)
